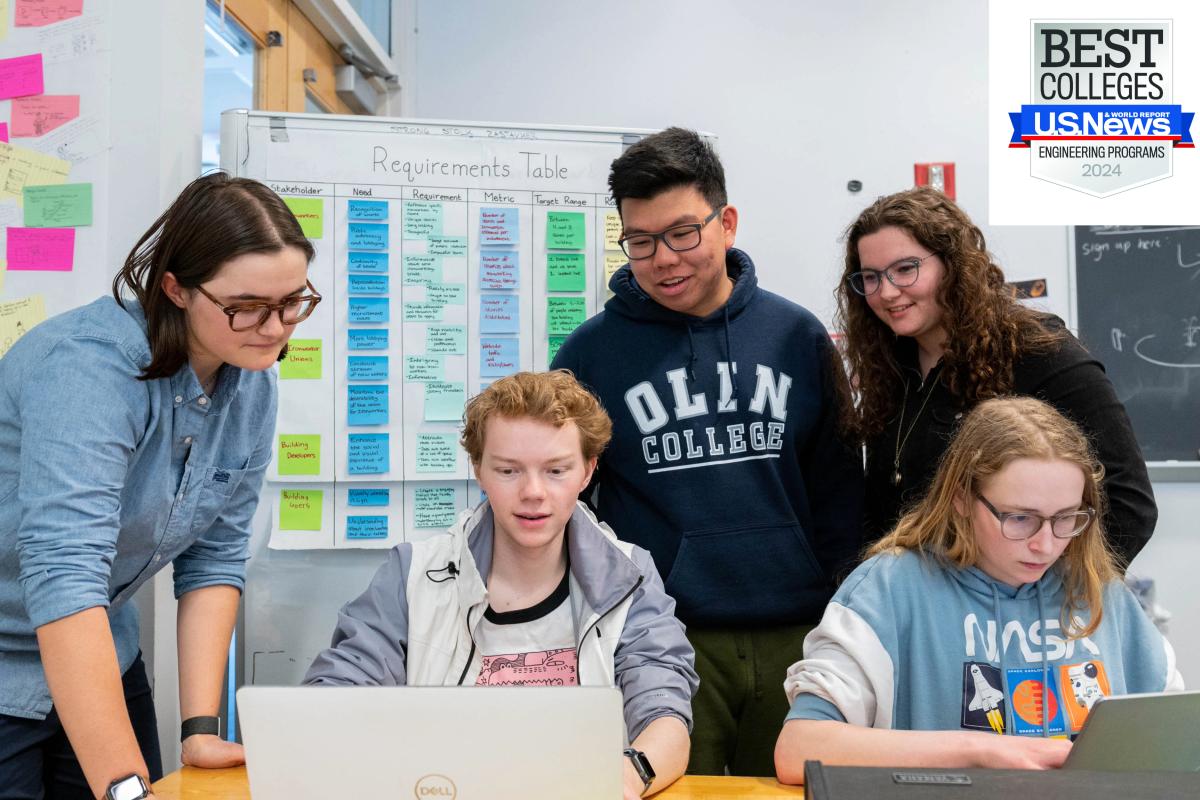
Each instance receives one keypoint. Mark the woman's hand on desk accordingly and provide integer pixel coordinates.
(212, 752)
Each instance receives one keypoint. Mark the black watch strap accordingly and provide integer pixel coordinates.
(641, 765)
(194, 725)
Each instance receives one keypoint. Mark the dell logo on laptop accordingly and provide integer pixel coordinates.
(435, 787)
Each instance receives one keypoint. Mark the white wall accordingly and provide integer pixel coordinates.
(803, 97)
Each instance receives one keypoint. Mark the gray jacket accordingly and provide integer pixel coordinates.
(415, 624)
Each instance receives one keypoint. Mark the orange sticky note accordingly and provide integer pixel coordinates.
(43, 249)
(35, 116)
(21, 76)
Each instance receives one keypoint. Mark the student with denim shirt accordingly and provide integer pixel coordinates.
(134, 433)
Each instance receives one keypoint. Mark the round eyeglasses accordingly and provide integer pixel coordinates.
(1021, 525)
(249, 316)
(677, 238)
(901, 274)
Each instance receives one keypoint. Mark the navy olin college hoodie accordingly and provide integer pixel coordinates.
(725, 461)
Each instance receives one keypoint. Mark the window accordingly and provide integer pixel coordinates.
(377, 16)
(228, 78)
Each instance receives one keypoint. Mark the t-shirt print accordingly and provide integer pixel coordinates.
(557, 667)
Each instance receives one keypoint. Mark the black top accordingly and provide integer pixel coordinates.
(1069, 379)
(535, 611)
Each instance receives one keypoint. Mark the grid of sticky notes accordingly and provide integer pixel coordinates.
(50, 209)
(499, 287)
(566, 275)
(368, 315)
(614, 257)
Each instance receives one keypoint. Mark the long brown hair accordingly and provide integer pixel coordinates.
(995, 433)
(986, 328)
(215, 219)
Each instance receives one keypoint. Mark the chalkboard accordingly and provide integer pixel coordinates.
(1138, 300)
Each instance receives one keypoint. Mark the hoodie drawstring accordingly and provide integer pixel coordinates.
(729, 354)
(691, 371)
(1045, 666)
(1000, 648)
(1008, 727)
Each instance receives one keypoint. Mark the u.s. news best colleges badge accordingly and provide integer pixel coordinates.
(1101, 120)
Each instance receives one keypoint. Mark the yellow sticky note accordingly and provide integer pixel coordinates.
(303, 360)
(299, 454)
(4, 15)
(612, 263)
(300, 509)
(310, 213)
(21, 167)
(612, 230)
(17, 317)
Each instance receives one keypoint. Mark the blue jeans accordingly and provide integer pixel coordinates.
(38, 763)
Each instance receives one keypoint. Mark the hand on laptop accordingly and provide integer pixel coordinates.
(212, 752)
(1020, 752)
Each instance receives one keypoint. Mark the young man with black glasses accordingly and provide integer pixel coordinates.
(725, 461)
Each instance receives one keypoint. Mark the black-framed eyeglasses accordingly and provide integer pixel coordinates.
(1021, 525)
(677, 238)
(900, 274)
(249, 316)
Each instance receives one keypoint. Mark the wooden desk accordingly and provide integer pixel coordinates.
(230, 784)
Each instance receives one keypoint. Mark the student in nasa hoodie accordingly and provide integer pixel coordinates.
(725, 461)
(994, 598)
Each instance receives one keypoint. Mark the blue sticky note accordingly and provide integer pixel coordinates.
(367, 339)
(499, 269)
(368, 284)
(375, 263)
(367, 404)
(499, 356)
(368, 309)
(498, 226)
(369, 497)
(366, 368)
(367, 210)
(366, 527)
(367, 236)
(499, 313)
(367, 454)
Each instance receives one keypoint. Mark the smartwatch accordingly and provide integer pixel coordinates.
(641, 765)
(131, 787)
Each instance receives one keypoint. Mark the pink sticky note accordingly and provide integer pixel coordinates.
(35, 13)
(35, 116)
(3, 131)
(44, 249)
(21, 76)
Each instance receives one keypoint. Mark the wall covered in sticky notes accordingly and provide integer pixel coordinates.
(448, 257)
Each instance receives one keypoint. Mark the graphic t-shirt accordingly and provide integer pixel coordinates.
(532, 646)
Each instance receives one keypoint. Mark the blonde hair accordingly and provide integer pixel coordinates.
(995, 433)
(552, 397)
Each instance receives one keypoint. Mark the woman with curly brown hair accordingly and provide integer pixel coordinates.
(931, 330)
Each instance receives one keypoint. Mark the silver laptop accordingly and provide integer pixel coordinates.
(1140, 732)
(442, 743)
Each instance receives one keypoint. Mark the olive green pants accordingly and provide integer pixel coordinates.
(739, 709)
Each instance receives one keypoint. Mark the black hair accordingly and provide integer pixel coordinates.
(666, 160)
(215, 219)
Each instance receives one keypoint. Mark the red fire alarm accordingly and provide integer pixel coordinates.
(937, 175)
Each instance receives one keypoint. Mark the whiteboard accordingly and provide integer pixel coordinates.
(448, 254)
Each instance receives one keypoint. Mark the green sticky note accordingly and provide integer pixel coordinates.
(433, 507)
(422, 369)
(303, 360)
(564, 314)
(68, 205)
(565, 230)
(555, 343)
(448, 245)
(444, 401)
(446, 293)
(437, 452)
(420, 268)
(450, 339)
(300, 509)
(423, 312)
(299, 454)
(566, 272)
(422, 220)
(310, 213)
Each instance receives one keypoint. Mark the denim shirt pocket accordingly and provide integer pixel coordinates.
(214, 492)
